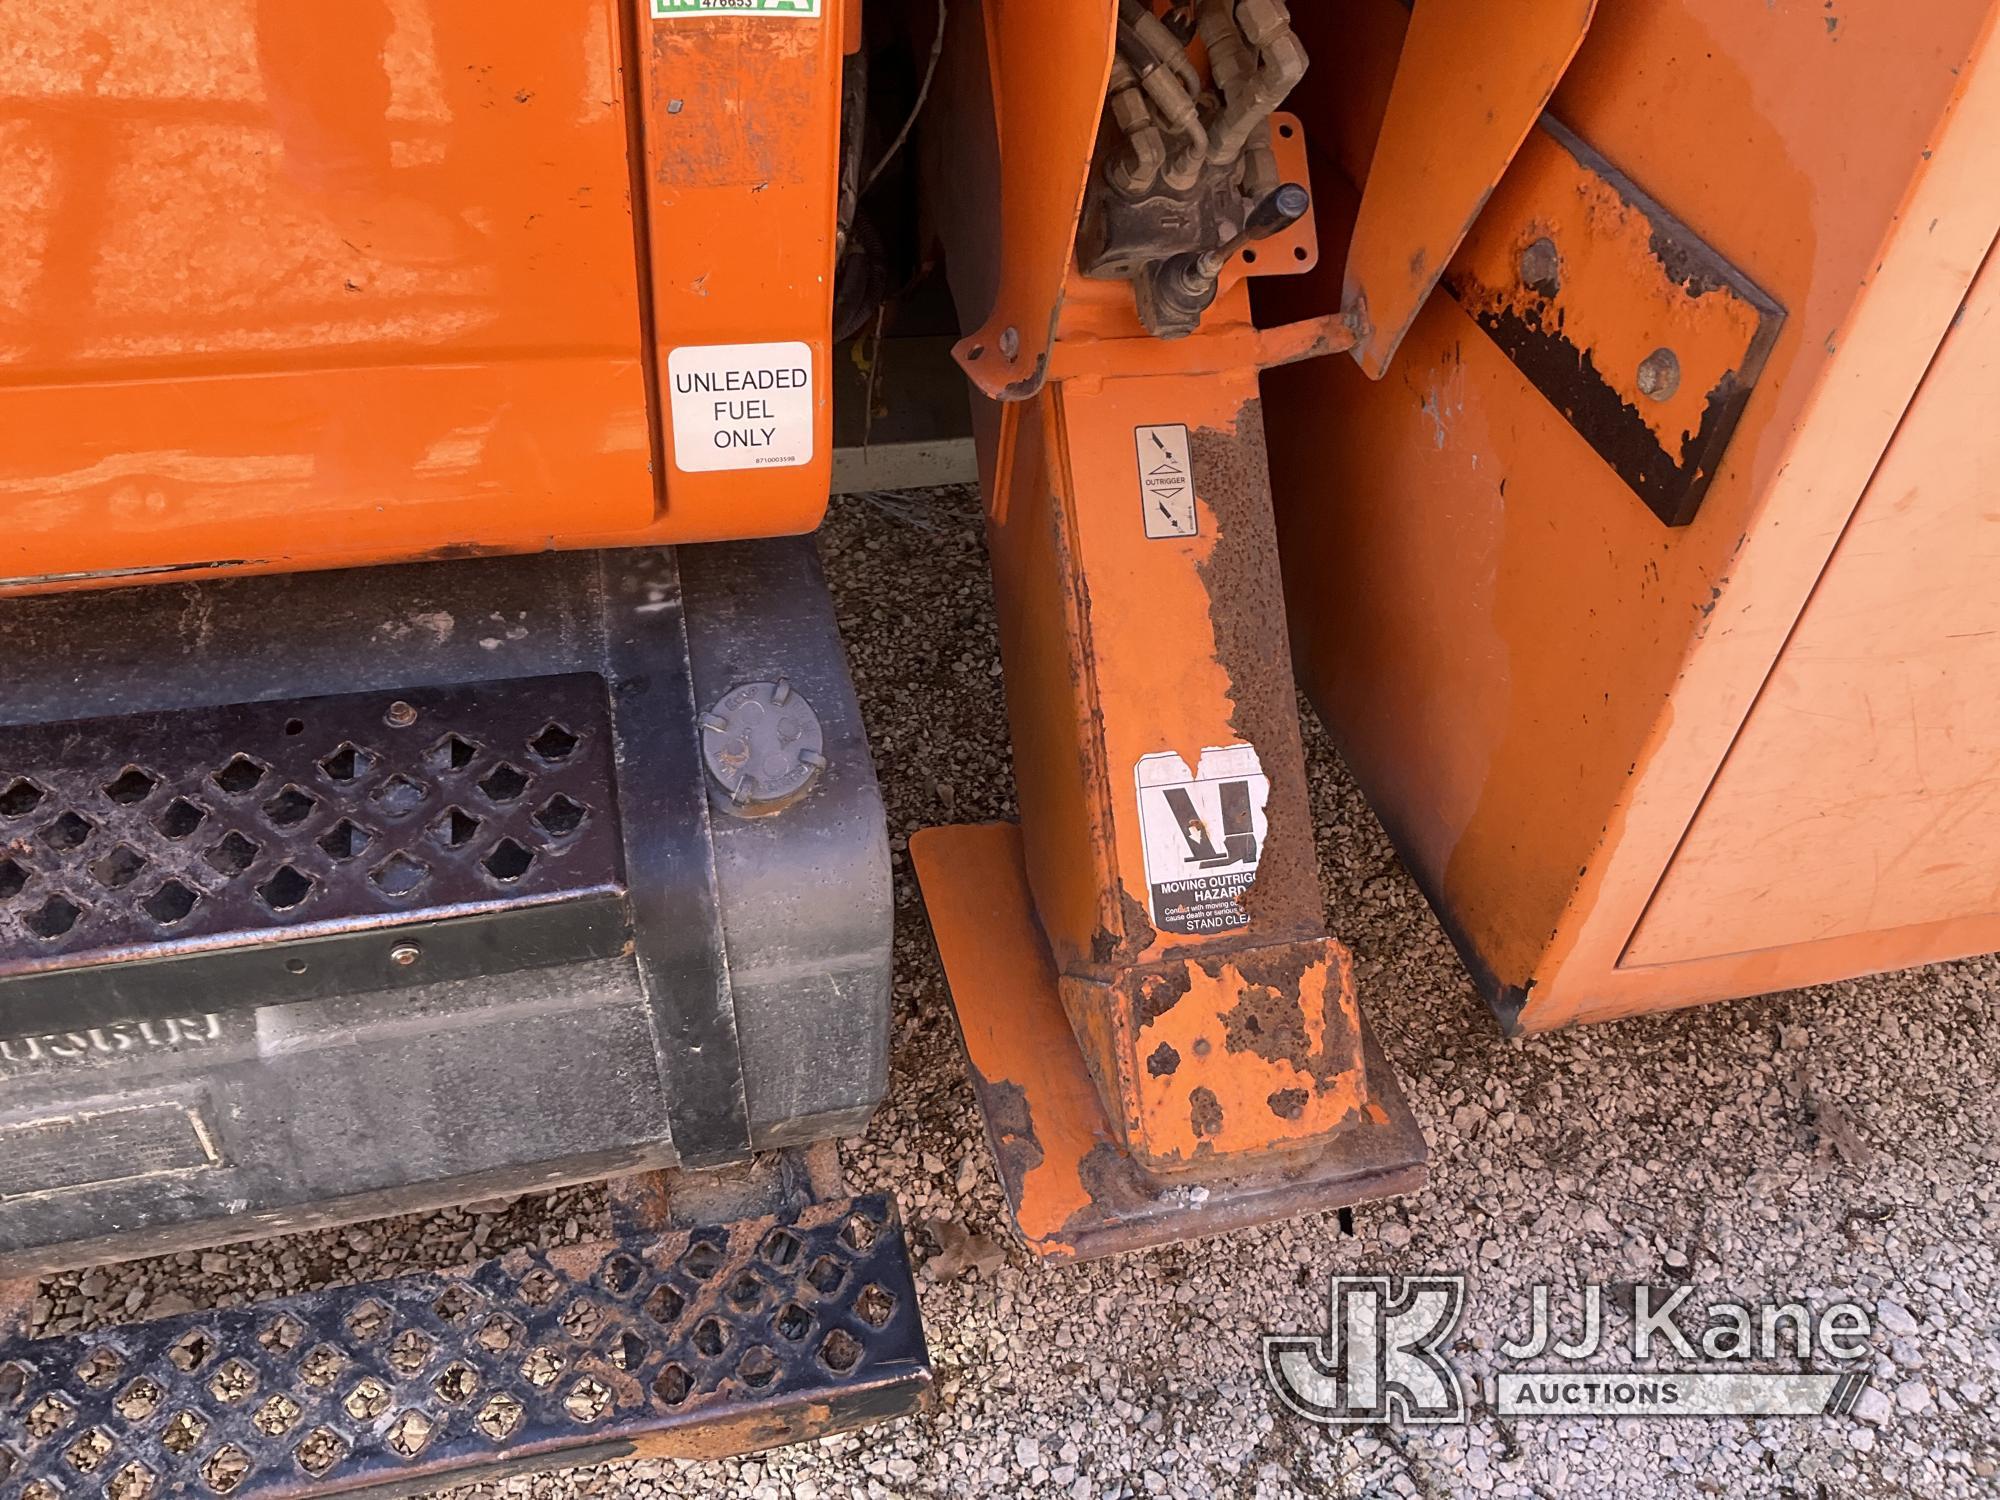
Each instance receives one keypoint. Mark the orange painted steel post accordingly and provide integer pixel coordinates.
(1166, 843)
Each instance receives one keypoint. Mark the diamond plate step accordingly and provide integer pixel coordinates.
(289, 850)
(701, 1343)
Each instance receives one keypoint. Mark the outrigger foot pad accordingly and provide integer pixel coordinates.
(1075, 1189)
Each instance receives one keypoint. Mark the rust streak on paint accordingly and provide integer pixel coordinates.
(1252, 647)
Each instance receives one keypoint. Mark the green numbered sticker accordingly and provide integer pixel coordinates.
(667, 9)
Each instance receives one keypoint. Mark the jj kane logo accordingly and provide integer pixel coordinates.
(1383, 1356)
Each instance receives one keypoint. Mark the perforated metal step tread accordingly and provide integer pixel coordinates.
(281, 851)
(706, 1342)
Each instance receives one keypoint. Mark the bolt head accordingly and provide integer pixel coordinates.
(1541, 267)
(1659, 374)
(401, 715)
(1293, 201)
(1010, 342)
(405, 954)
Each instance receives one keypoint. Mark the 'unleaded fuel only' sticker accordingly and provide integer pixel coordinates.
(741, 406)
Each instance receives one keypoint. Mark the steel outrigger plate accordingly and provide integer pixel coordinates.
(1075, 1189)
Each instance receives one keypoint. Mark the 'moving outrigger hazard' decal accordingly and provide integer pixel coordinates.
(1203, 835)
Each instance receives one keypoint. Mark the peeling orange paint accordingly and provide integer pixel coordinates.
(1614, 299)
(1242, 1083)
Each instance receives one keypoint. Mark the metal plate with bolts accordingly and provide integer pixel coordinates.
(707, 1342)
(1469, 84)
(1643, 337)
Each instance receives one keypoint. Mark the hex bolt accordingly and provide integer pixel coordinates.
(1660, 374)
(401, 715)
(763, 746)
(405, 954)
(1541, 267)
(1010, 342)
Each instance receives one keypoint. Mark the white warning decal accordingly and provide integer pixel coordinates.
(1166, 481)
(667, 9)
(741, 406)
(1203, 835)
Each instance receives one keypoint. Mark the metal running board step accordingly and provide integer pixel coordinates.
(698, 1343)
(281, 851)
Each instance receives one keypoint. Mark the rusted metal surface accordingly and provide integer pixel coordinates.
(1174, 670)
(1245, 1052)
(716, 1340)
(17, 1295)
(369, 834)
(1189, 1011)
(1469, 84)
(1199, 1022)
(1075, 1189)
(1639, 332)
(784, 1182)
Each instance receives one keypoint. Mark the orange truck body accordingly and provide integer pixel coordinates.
(1590, 406)
(283, 287)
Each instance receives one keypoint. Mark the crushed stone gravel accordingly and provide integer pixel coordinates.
(1832, 1143)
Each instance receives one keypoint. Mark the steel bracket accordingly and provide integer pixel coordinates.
(1469, 84)
(1076, 1189)
(1640, 333)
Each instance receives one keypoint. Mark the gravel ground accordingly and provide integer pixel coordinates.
(1825, 1144)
